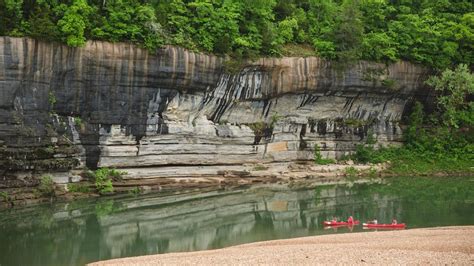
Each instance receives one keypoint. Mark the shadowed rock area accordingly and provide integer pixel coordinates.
(116, 105)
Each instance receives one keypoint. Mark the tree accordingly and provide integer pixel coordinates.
(285, 33)
(11, 15)
(74, 21)
(128, 20)
(42, 25)
(378, 46)
(348, 32)
(454, 88)
(415, 125)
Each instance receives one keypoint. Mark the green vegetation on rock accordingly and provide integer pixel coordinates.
(441, 142)
(318, 157)
(5, 196)
(46, 186)
(103, 177)
(434, 33)
(351, 173)
(76, 187)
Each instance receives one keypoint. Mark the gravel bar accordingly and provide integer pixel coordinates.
(434, 246)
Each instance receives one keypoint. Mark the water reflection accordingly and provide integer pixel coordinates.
(85, 231)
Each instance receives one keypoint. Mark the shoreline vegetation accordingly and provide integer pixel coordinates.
(441, 141)
(437, 245)
(295, 174)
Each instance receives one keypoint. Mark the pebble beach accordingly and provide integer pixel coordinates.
(434, 246)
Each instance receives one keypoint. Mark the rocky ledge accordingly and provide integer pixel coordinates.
(176, 113)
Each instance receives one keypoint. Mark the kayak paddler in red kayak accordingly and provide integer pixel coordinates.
(374, 221)
(350, 220)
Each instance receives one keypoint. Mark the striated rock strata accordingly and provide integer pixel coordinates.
(116, 105)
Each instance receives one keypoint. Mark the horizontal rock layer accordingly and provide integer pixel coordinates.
(116, 105)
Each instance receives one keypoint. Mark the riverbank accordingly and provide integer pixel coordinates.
(440, 245)
(185, 179)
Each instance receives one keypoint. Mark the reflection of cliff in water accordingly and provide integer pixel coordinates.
(231, 219)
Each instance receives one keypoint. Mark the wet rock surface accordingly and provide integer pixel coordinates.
(116, 105)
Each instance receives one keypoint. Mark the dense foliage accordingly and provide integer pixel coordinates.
(441, 142)
(438, 33)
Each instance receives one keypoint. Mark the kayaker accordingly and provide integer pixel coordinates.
(394, 221)
(350, 220)
(374, 221)
(334, 219)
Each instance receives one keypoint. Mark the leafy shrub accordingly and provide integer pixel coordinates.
(115, 174)
(81, 188)
(46, 186)
(135, 191)
(389, 83)
(454, 87)
(351, 172)
(372, 172)
(88, 174)
(318, 157)
(258, 128)
(103, 182)
(4, 195)
(51, 99)
(78, 121)
(103, 178)
(363, 154)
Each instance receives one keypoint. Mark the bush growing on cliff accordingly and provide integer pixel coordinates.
(78, 121)
(4, 195)
(81, 188)
(115, 174)
(318, 157)
(103, 179)
(103, 182)
(46, 186)
(351, 173)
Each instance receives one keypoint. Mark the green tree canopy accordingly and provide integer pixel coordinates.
(437, 33)
(455, 87)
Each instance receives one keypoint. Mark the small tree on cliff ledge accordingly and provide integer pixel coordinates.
(455, 88)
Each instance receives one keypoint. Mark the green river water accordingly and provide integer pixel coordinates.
(79, 232)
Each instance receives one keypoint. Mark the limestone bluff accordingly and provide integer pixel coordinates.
(179, 113)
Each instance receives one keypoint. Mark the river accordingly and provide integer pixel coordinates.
(78, 232)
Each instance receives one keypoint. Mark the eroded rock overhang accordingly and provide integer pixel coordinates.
(116, 105)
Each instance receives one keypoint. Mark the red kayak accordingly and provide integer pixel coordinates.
(332, 223)
(388, 226)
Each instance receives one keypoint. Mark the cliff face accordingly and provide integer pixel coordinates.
(116, 105)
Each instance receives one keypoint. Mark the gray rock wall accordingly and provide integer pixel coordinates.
(116, 105)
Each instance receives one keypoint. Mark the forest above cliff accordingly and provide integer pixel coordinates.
(436, 33)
